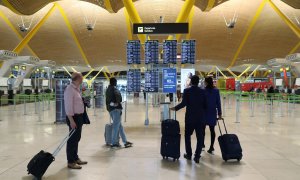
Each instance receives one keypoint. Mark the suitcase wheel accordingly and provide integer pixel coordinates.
(239, 159)
(174, 159)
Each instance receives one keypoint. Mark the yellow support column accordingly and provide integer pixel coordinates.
(134, 16)
(210, 5)
(266, 73)
(246, 70)
(67, 71)
(85, 76)
(235, 76)
(74, 69)
(225, 77)
(128, 23)
(34, 30)
(295, 48)
(249, 30)
(108, 6)
(188, 36)
(252, 73)
(291, 25)
(183, 15)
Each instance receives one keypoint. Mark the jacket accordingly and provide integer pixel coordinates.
(213, 106)
(113, 95)
(195, 102)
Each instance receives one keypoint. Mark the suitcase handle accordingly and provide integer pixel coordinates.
(64, 141)
(220, 127)
(170, 114)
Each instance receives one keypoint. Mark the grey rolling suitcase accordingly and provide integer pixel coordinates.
(108, 133)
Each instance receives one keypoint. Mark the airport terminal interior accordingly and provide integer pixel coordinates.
(251, 50)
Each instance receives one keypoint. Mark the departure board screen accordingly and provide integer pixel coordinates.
(151, 81)
(151, 52)
(133, 52)
(170, 51)
(188, 51)
(134, 80)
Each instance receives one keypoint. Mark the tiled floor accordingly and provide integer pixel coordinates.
(271, 150)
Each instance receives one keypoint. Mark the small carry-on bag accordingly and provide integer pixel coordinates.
(229, 145)
(170, 140)
(38, 165)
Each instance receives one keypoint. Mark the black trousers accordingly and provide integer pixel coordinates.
(212, 136)
(72, 144)
(189, 129)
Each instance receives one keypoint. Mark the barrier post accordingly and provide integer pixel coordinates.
(281, 108)
(146, 115)
(271, 110)
(252, 105)
(35, 106)
(237, 113)
(15, 106)
(224, 106)
(25, 105)
(94, 104)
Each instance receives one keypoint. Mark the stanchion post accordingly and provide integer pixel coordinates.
(271, 110)
(15, 106)
(25, 105)
(94, 104)
(224, 106)
(35, 106)
(237, 114)
(281, 108)
(147, 117)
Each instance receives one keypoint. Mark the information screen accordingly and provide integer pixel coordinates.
(134, 80)
(151, 52)
(170, 51)
(188, 51)
(133, 52)
(151, 81)
(169, 80)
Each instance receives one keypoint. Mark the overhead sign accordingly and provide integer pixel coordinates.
(160, 28)
(169, 80)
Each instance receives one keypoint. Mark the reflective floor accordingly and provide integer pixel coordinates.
(271, 150)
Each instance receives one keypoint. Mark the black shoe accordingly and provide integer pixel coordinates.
(210, 151)
(187, 157)
(196, 160)
(115, 146)
(128, 144)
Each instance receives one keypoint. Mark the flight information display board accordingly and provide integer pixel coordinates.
(151, 81)
(169, 80)
(133, 52)
(170, 51)
(151, 51)
(134, 80)
(188, 51)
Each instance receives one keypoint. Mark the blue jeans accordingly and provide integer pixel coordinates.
(117, 126)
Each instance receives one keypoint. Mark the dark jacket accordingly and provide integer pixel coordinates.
(113, 95)
(213, 106)
(195, 102)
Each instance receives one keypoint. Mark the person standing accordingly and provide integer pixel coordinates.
(213, 108)
(114, 107)
(74, 110)
(194, 100)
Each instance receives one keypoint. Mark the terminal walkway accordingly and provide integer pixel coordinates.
(271, 150)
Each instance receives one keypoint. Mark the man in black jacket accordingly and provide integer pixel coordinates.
(114, 107)
(195, 102)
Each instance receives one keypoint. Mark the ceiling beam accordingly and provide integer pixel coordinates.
(67, 71)
(221, 73)
(33, 31)
(3, 16)
(249, 30)
(252, 73)
(63, 14)
(235, 76)
(85, 76)
(291, 25)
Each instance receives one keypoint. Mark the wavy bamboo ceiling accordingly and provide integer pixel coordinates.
(105, 45)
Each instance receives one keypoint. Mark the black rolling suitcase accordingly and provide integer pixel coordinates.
(39, 164)
(170, 140)
(230, 145)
